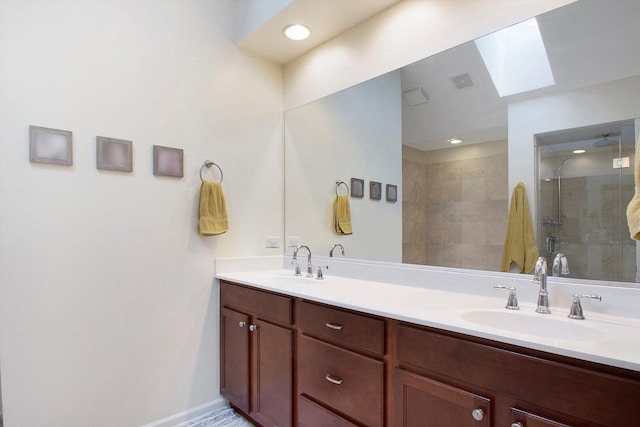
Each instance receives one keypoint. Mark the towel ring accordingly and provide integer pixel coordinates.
(208, 164)
(338, 184)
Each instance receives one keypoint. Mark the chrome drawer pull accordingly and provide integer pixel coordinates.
(252, 328)
(518, 424)
(334, 380)
(334, 326)
(242, 324)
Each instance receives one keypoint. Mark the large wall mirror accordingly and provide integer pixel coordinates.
(453, 200)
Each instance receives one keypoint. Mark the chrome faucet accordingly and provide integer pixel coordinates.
(295, 261)
(540, 276)
(336, 246)
(560, 265)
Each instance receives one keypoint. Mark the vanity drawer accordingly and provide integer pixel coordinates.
(350, 383)
(342, 327)
(264, 305)
(310, 414)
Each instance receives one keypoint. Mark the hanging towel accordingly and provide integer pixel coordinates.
(212, 215)
(520, 242)
(633, 208)
(342, 215)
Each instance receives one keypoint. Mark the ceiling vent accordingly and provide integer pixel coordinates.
(415, 96)
(462, 81)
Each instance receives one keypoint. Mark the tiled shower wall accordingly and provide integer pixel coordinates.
(593, 232)
(455, 211)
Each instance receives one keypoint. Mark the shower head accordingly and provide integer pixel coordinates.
(605, 141)
(559, 170)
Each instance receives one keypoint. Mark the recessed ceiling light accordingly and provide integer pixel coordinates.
(454, 141)
(297, 32)
(579, 151)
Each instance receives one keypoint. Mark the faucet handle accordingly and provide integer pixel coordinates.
(512, 302)
(320, 276)
(576, 308)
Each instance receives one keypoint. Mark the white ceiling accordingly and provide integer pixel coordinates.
(578, 38)
(587, 42)
(325, 18)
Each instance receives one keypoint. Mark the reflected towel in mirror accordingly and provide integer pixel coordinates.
(633, 208)
(520, 241)
(212, 213)
(342, 215)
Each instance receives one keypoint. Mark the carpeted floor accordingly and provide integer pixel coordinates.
(224, 417)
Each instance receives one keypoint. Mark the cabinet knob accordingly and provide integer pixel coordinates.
(242, 324)
(516, 425)
(334, 380)
(477, 414)
(252, 328)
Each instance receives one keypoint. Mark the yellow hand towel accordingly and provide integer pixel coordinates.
(342, 215)
(212, 215)
(520, 242)
(633, 208)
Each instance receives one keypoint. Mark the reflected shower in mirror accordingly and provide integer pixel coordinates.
(586, 181)
(452, 203)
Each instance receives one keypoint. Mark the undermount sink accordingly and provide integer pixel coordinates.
(534, 324)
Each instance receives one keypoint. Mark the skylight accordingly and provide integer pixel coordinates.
(516, 58)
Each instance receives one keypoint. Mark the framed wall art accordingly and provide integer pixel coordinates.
(375, 190)
(168, 161)
(114, 154)
(52, 146)
(392, 193)
(357, 187)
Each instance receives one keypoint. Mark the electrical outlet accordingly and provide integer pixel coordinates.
(272, 242)
(293, 241)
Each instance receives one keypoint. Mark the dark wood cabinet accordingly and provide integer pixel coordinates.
(424, 402)
(287, 361)
(256, 345)
(525, 386)
(520, 418)
(234, 358)
(340, 366)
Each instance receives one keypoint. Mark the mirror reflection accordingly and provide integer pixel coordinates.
(585, 184)
(453, 200)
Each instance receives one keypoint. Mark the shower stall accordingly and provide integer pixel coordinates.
(585, 182)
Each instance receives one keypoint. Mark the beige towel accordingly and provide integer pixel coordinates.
(342, 215)
(633, 208)
(212, 215)
(520, 242)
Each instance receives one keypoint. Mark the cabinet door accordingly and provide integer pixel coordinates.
(273, 374)
(422, 402)
(520, 418)
(234, 354)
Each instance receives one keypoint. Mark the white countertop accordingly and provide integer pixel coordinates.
(600, 338)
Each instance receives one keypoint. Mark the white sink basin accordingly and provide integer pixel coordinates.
(535, 324)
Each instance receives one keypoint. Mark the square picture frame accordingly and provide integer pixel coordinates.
(375, 190)
(357, 187)
(168, 161)
(52, 146)
(392, 193)
(114, 154)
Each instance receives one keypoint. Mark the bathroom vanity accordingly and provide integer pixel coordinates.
(292, 356)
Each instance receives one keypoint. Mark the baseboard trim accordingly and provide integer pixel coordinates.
(190, 414)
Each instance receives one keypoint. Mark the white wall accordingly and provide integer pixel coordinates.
(356, 133)
(108, 316)
(406, 32)
(582, 107)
